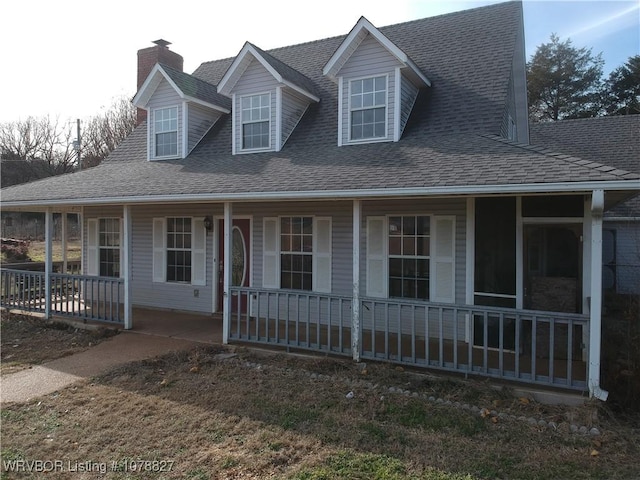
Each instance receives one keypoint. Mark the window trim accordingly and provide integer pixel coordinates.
(350, 110)
(241, 123)
(154, 134)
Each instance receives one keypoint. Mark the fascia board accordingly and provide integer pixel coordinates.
(454, 191)
(224, 85)
(149, 86)
(206, 104)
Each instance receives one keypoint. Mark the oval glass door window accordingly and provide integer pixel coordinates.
(239, 260)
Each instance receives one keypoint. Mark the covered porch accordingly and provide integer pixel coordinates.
(504, 338)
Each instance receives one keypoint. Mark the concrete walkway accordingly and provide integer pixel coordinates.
(62, 372)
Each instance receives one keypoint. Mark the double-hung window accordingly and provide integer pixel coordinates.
(412, 257)
(409, 248)
(296, 253)
(368, 108)
(109, 247)
(256, 115)
(179, 250)
(165, 127)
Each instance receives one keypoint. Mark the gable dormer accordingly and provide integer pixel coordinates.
(377, 86)
(268, 100)
(180, 108)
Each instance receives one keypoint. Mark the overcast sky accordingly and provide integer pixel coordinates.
(70, 58)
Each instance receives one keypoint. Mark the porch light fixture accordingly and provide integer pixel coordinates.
(208, 223)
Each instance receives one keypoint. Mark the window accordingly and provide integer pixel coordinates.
(368, 104)
(166, 132)
(296, 253)
(256, 113)
(178, 250)
(411, 256)
(409, 245)
(109, 247)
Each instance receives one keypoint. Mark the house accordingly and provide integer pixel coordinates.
(616, 138)
(371, 195)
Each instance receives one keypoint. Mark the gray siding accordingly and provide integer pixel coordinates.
(369, 59)
(255, 79)
(165, 96)
(200, 121)
(408, 97)
(293, 107)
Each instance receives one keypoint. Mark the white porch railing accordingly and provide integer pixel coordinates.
(545, 348)
(81, 296)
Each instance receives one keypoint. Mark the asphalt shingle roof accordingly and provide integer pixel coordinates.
(613, 140)
(449, 141)
(197, 88)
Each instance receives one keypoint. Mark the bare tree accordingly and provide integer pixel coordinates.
(44, 143)
(104, 132)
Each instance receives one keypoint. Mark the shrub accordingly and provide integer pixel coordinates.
(15, 250)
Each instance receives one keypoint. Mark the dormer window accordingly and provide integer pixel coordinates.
(368, 101)
(166, 132)
(256, 120)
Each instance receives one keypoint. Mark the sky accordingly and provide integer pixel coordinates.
(70, 59)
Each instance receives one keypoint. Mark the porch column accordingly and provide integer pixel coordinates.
(355, 301)
(595, 311)
(48, 259)
(226, 295)
(63, 238)
(126, 266)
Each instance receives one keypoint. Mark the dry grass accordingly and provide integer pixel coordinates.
(273, 416)
(37, 251)
(29, 340)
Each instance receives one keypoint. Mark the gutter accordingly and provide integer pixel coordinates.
(475, 190)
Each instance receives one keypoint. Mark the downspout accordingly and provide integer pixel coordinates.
(595, 311)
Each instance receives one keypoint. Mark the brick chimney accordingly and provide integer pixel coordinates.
(147, 58)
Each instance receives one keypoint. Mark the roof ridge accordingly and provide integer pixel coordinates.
(548, 152)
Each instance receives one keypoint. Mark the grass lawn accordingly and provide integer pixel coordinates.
(37, 251)
(201, 415)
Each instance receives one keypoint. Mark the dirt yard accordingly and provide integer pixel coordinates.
(234, 413)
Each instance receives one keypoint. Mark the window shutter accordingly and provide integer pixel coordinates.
(322, 254)
(443, 260)
(93, 247)
(198, 252)
(159, 246)
(270, 254)
(376, 257)
(121, 247)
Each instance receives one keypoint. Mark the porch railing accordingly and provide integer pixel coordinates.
(80, 296)
(292, 319)
(528, 346)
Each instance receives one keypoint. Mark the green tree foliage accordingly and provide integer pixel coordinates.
(622, 95)
(564, 81)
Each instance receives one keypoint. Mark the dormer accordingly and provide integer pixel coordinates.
(180, 109)
(377, 86)
(268, 100)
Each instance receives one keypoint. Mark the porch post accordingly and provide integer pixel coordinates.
(355, 301)
(48, 260)
(226, 296)
(63, 238)
(595, 311)
(126, 266)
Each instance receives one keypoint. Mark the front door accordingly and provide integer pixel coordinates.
(240, 260)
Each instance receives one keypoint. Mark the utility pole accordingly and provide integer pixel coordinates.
(78, 147)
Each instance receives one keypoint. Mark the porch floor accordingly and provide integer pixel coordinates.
(204, 328)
